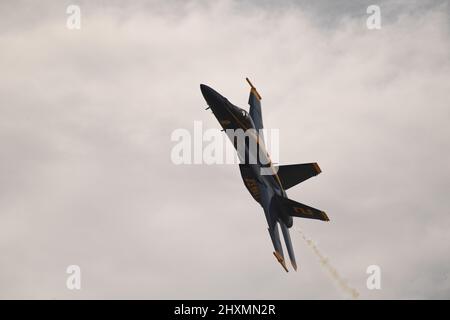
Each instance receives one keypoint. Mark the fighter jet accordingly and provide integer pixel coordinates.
(266, 182)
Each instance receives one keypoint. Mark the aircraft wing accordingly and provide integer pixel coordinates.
(254, 100)
(293, 174)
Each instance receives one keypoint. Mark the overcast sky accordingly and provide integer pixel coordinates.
(86, 176)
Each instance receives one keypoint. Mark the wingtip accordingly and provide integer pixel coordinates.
(317, 168)
(253, 89)
(325, 217)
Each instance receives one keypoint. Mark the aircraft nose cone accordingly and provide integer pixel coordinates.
(212, 97)
(204, 88)
(207, 92)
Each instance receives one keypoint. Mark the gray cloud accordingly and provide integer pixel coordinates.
(85, 134)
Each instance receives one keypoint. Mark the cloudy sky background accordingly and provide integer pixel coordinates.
(86, 176)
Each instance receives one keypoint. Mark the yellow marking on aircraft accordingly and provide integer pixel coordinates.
(316, 166)
(263, 147)
(253, 89)
(303, 210)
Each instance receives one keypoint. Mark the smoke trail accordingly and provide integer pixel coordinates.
(326, 264)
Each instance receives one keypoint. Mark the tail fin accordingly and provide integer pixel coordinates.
(287, 240)
(278, 253)
(291, 175)
(297, 209)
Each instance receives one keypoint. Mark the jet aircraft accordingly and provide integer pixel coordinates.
(266, 182)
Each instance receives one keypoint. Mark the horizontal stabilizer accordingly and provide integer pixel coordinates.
(297, 209)
(293, 174)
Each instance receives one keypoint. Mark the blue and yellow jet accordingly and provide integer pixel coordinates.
(265, 182)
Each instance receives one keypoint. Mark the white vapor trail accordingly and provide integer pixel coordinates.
(325, 262)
